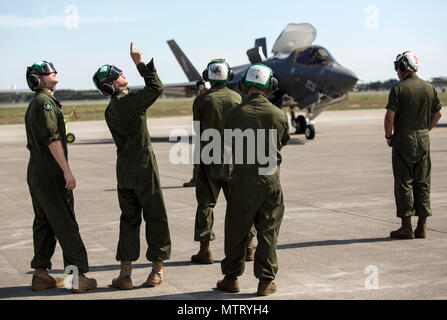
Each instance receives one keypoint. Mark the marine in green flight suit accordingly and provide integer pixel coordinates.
(210, 109)
(51, 182)
(413, 109)
(255, 197)
(139, 188)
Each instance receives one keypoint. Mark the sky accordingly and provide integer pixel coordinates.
(80, 36)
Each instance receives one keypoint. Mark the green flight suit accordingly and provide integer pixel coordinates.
(254, 198)
(53, 204)
(138, 180)
(210, 108)
(414, 102)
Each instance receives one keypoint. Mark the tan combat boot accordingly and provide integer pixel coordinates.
(156, 275)
(204, 255)
(266, 287)
(85, 284)
(250, 252)
(42, 280)
(124, 282)
(228, 284)
(421, 228)
(405, 231)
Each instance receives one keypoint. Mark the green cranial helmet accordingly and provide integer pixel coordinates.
(259, 76)
(33, 72)
(217, 71)
(105, 75)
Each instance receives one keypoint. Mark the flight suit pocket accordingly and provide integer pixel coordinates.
(243, 193)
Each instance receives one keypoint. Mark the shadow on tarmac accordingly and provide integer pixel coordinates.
(293, 140)
(212, 294)
(331, 243)
(296, 141)
(111, 267)
(163, 188)
(25, 291)
(153, 140)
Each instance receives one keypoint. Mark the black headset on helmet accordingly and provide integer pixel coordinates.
(205, 72)
(105, 83)
(34, 72)
(402, 64)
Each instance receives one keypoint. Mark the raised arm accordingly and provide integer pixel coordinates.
(143, 99)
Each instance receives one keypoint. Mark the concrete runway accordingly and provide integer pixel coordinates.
(333, 241)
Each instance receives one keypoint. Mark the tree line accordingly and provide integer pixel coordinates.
(376, 85)
(58, 94)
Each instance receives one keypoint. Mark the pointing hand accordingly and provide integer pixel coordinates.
(135, 54)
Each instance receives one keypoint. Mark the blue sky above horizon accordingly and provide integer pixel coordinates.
(364, 36)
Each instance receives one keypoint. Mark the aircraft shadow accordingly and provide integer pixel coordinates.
(331, 243)
(296, 141)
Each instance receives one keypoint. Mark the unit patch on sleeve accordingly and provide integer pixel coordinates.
(48, 105)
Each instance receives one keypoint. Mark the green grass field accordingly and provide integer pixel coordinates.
(182, 107)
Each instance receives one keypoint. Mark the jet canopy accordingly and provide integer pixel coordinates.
(294, 36)
(313, 55)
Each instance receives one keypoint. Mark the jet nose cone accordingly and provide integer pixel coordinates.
(347, 79)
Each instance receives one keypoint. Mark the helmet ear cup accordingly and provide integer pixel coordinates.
(242, 87)
(273, 85)
(205, 75)
(403, 65)
(107, 88)
(230, 75)
(33, 81)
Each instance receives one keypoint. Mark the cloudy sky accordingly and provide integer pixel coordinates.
(79, 36)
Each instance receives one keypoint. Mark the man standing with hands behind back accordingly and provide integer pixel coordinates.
(413, 110)
(138, 180)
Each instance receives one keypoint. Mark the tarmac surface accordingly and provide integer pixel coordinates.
(334, 240)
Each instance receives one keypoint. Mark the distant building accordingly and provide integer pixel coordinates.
(440, 83)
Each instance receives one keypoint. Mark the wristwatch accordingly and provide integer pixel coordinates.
(386, 137)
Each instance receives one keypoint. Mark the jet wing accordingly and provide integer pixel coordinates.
(294, 36)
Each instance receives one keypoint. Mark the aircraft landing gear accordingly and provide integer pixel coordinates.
(309, 133)
(300, 125)
(303, 125)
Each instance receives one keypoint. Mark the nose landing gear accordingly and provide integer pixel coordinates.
(303, 125)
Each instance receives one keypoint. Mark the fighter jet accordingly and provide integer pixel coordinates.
(308, 75)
